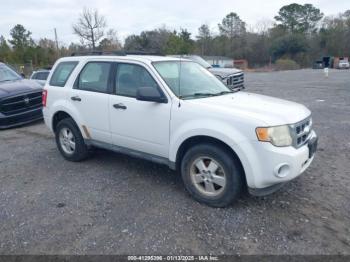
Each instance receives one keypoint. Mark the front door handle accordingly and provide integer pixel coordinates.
(76, 98)
(120, 106)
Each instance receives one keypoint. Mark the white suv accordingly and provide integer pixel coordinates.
(175, 112)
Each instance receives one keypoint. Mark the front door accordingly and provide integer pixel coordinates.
(138, 125)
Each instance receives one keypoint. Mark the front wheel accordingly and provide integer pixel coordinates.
(212, 175)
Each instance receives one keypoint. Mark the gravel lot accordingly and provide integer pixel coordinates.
(113, 204)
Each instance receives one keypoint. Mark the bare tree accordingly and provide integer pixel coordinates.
(111, 41)
(90, 26)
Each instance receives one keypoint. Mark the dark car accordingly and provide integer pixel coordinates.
(20, 99)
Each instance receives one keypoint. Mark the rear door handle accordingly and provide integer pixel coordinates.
(120, 106)
(76, 98)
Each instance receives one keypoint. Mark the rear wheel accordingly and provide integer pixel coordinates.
(212, 175)
(70, 142)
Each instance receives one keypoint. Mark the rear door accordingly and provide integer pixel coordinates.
(90, 97)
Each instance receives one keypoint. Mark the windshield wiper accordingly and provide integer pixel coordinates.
(224, 93)
(207, 94)
(204, 94)
(6, 80)
(198, 95)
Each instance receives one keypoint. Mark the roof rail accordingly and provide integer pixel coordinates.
(113, 53)
(98, 52)
(140, 52)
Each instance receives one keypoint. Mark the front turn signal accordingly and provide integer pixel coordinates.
(263, 134)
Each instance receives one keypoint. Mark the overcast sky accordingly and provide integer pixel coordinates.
(134, 16)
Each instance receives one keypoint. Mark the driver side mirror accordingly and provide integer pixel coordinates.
(150, 94)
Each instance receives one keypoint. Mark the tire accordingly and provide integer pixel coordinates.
(198, 182)
(66, 134)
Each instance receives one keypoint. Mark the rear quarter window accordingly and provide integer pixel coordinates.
(62, 73)
(41, 75)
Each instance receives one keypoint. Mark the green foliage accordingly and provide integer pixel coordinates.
(233, 36)
(232, 26)
(334, 35)
(299, 37)
(286, 64)
(204, 38)
(24, 50)
(290, 44)
(152, 41)
(20, 37)
(161, 41)
(22, 44)
(5, 51)
(180, 43)
(299, 18)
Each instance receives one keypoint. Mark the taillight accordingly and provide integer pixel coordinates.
(44, 98)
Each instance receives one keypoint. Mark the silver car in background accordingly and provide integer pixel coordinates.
(40, 76)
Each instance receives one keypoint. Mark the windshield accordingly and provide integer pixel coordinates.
(200, 61)
(190, 80)
(7, 74)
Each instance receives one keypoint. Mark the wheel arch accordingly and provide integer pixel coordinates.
(203, 139)
(58, 116)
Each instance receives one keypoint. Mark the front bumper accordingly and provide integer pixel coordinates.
(20, 118)
(274, 166)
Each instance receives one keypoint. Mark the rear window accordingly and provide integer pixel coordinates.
(62, 73)
(40, 75)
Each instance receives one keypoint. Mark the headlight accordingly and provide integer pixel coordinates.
(278, 135)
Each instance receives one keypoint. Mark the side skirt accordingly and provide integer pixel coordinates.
(132, 153)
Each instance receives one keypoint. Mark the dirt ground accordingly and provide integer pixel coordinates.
(114, 204)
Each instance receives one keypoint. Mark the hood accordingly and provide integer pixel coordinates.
(272, 111)
(224, 72)
(16, 87)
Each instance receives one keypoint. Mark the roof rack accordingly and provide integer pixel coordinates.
(113, 53)
(97, 52)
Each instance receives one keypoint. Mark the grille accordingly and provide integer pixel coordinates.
(20, 103)
(236, 80)
(301, 132)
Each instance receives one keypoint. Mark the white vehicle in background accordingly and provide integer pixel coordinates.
(233, 78)
(175, 112)
(344, 64)
(40, 76)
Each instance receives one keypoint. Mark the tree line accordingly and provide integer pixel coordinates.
(299, 33)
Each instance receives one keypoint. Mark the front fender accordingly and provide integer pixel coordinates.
(234, 138)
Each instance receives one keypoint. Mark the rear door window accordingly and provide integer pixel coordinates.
(62, 73)
(95, 77)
